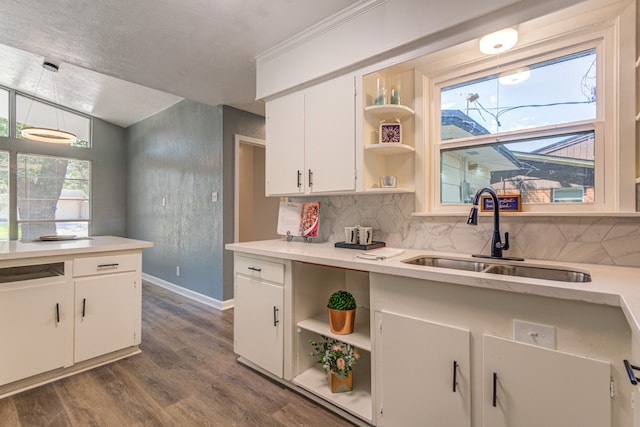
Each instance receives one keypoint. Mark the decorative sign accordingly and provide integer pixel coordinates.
(508, 203)
(390, 133)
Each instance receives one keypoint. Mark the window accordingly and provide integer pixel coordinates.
(4, 195)
(38, 113)
(4, 112)
(533, 125)
(53, 196)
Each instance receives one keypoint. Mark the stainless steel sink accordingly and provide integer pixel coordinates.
(544, 273)
(494, 267)
(453, 263)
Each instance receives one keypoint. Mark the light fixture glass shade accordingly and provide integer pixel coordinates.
(514, 77)
(48, 135)
(498, 42)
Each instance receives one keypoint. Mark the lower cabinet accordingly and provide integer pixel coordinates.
(424, 374)
(36, 327)
(529, 386)
(258, 314)
(104, 314)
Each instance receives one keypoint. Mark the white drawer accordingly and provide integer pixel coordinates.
(105, 264)
(259, 268)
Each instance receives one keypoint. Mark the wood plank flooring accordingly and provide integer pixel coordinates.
(187, 375)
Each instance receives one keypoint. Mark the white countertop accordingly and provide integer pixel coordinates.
(16, 249)
(610, 285)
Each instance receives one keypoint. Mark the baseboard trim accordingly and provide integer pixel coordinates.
(193, 295)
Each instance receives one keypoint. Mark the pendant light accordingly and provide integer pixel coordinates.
(42, 134)
(498, 42)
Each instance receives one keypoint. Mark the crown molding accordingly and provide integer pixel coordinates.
(336, 20)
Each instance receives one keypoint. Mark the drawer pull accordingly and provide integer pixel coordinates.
(107, 266)
(455, 375)
(258, 269)
(84, 306)
(495, 391)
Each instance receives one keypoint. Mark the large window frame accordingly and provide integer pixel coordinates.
(612, 168)
(14, 145)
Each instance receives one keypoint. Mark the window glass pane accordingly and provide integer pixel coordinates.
(557, 169)
(40, 114)
(4, 195)
(53, 196)
(557, 91)
(4, 112)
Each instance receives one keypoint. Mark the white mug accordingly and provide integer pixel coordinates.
(351, 235)
(365, 235)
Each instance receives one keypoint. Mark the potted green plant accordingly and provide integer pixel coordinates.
(342, 312)
(337, 359)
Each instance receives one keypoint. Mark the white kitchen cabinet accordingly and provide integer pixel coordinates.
(285, 169)
(105, 315)
(529, 386)
(311, 140)
(258, 325)
(424, 372)
(36, 327)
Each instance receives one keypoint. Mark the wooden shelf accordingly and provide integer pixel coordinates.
(389, 148)
(390, 111)
(357, 402)
(361, 332)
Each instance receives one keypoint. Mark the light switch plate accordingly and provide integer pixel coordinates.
(535, 334)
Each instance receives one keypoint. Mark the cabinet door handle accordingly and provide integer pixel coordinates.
(455, 375)
(299, 178)
(495, 391)
(84, 306)
(310, 178)
(107, 266)
(57, 312)
(275, 316)
(258, 269)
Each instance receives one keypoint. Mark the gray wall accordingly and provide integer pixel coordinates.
(183, 154)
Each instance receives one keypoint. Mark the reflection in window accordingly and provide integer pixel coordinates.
(557, 91)
(54, 196)
(4, 112)
(558, 169)
(49, 116)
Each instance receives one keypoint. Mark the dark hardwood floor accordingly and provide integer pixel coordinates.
(187, 375)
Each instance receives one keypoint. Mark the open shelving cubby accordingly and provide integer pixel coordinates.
(389, 159)
(314, 286)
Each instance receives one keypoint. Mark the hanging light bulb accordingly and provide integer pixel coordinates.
(498, 42)
(42, 134)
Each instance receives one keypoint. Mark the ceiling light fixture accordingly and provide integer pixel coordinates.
(498, 42)
(42, 134)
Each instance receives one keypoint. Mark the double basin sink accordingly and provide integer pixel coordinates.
(495, 266)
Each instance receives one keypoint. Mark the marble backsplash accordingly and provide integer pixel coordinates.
(596, 240)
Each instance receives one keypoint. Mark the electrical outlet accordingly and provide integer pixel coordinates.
(534, 333)
(177, 270)
(214, 196)
(164, 202)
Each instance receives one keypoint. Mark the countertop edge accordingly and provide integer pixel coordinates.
(611, 285)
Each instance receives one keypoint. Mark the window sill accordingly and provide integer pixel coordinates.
(465, 214)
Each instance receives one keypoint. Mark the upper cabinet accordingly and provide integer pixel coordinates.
(388, 131)
(311, 140)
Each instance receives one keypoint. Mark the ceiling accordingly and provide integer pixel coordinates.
(123, 60)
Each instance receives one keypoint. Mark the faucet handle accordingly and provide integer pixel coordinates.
(505, 245)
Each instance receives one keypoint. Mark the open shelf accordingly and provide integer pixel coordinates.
(389, 148)
(359, 338)
(388, 190)
(390, 111)
(357, 402)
